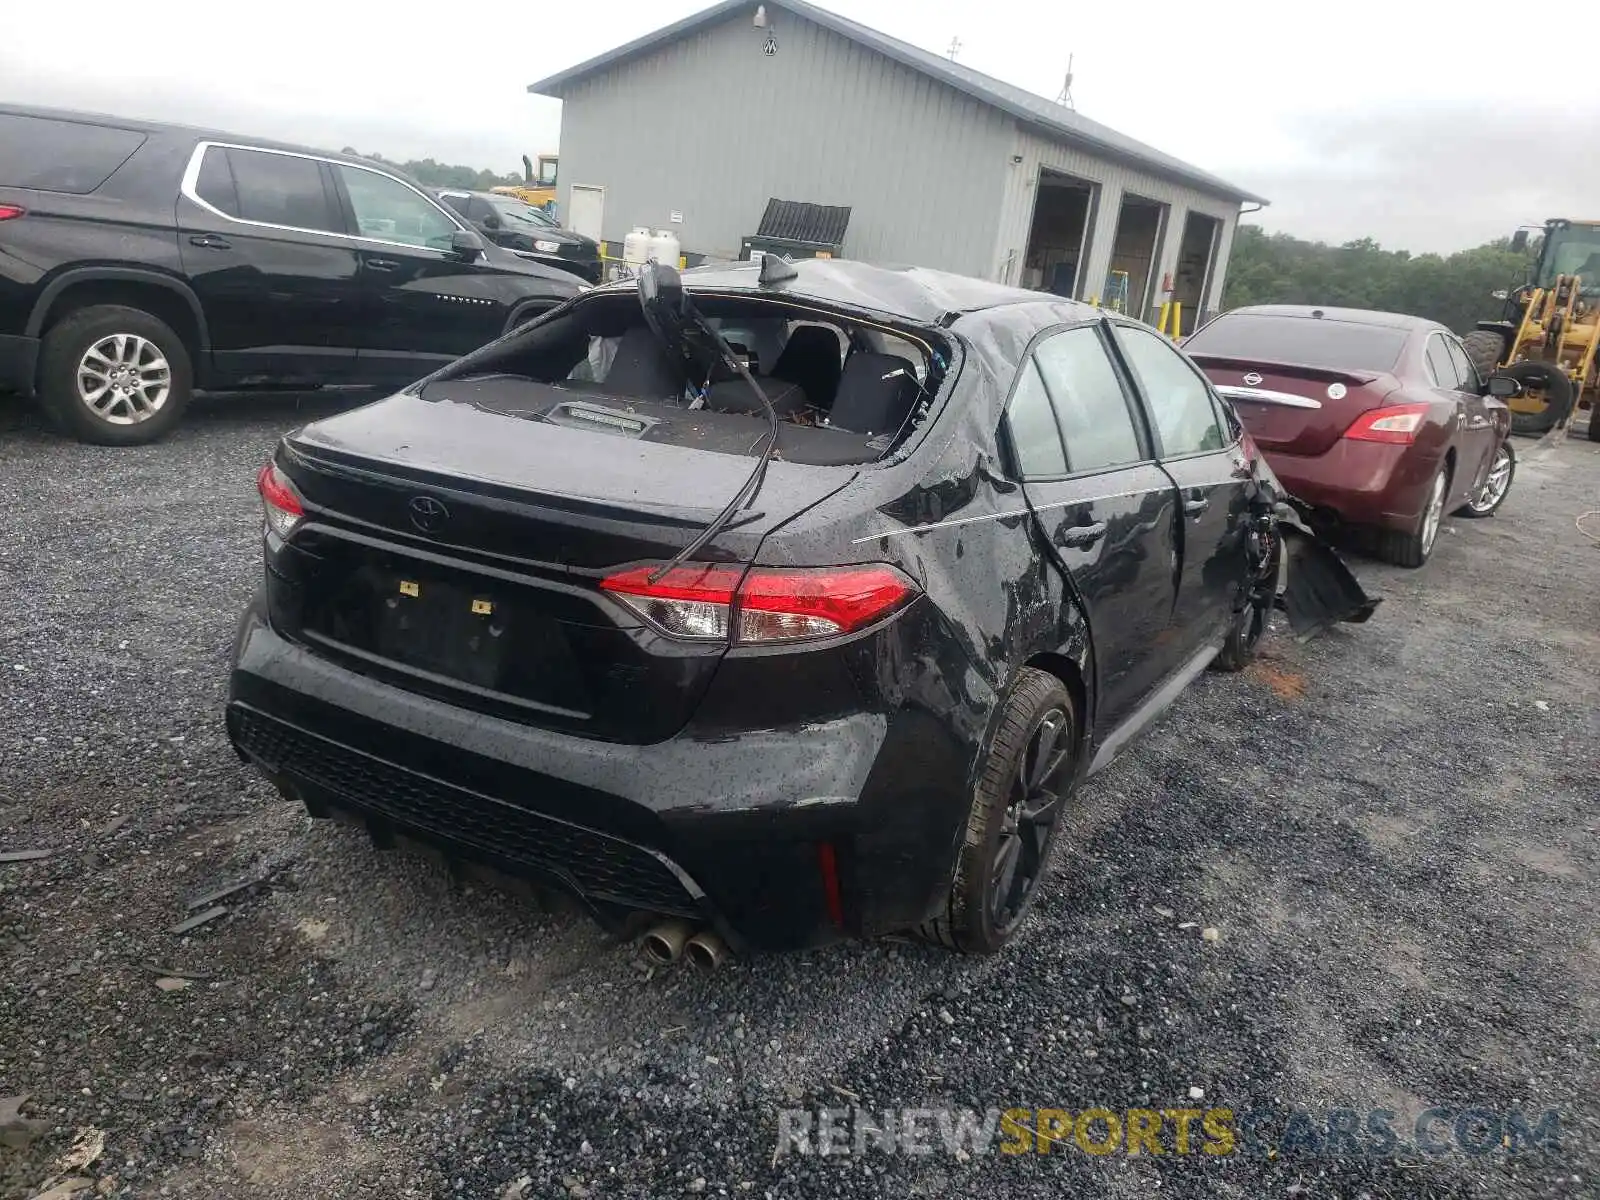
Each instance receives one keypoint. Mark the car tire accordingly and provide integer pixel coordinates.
(1414, 547)
(1036, 735)
(1558, 396)
(1488, 498)
(1485, 348)
(1594, 420)
(141, 363)
(1244, 636)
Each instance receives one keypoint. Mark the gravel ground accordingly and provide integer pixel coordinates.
(1391, 829)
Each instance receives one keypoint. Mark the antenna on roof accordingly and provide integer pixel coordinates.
(1066, 87)
(955, 49)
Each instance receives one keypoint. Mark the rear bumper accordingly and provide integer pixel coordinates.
(725, 830)
(1364, 483)
(19, 357)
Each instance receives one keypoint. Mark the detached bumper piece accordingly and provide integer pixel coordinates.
(1320, 590)
(598, 868)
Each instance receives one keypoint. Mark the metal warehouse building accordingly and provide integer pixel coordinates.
(700, 126)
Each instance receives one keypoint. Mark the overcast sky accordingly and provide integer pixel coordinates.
(1385, 119)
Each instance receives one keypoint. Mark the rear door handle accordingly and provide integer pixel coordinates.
(1195, 507)
(1082, 536)
(210, 241)
(383, 264)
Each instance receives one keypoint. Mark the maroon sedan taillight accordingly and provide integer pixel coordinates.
(1397, 424)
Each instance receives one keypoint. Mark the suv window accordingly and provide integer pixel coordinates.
(1035, 436)
(1465, 371)
(214, 184)
(388, 210)
(1439, 364)
(1089, 400)
(61, 156)
(282, 189)
(1178, 398)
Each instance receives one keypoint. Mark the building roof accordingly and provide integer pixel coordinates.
(1050, 118)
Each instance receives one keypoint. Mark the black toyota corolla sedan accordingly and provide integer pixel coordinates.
(783, 602)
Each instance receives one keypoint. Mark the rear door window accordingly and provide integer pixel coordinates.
(1442, 370)
(61, 156)
(283, 189)
(1095, 422)
(1178, 399)
(214, 184)
(1035, 436)
(1465, 371)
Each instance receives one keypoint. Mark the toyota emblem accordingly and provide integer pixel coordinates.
(1252, 380)
(428, 514)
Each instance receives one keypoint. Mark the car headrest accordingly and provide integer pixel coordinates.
(876, 393)
(810, 348)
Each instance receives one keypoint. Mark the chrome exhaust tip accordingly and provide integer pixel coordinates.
(707, 951)
(664, 943)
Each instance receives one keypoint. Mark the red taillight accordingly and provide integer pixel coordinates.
(283, 508)
(768, 604)
(1397, 424)
(9, 212)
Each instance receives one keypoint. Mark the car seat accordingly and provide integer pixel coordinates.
(643, 368)
(810, 359)
(877, 393)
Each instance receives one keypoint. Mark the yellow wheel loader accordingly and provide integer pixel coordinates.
(540, 190)
(1547, 336)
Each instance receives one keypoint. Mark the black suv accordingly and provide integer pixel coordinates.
(530, 232)
(139, 261)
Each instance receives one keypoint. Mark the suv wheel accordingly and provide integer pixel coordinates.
(114, 376)
(1014, 817)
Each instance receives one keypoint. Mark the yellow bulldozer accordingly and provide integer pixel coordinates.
(538, 190)
(1547, 335)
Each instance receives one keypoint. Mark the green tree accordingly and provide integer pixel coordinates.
(1451, 289)
(431, 173)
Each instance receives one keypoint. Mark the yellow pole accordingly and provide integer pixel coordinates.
(1177, 319)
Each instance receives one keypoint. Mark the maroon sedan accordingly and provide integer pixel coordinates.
(1372, 418)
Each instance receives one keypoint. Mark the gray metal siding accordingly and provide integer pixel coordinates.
(690, 128)
(1114, 182)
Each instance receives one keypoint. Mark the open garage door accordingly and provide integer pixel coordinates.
(1197, 255)
(1133, 258)
(1058, 239)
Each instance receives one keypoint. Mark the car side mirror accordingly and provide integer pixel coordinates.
(1519, 242)
(1503, 387)
(465, 244)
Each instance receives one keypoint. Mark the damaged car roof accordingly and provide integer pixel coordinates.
(914, 293)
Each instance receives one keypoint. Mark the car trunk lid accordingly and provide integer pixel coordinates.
(1295, 409)
(458, 552)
